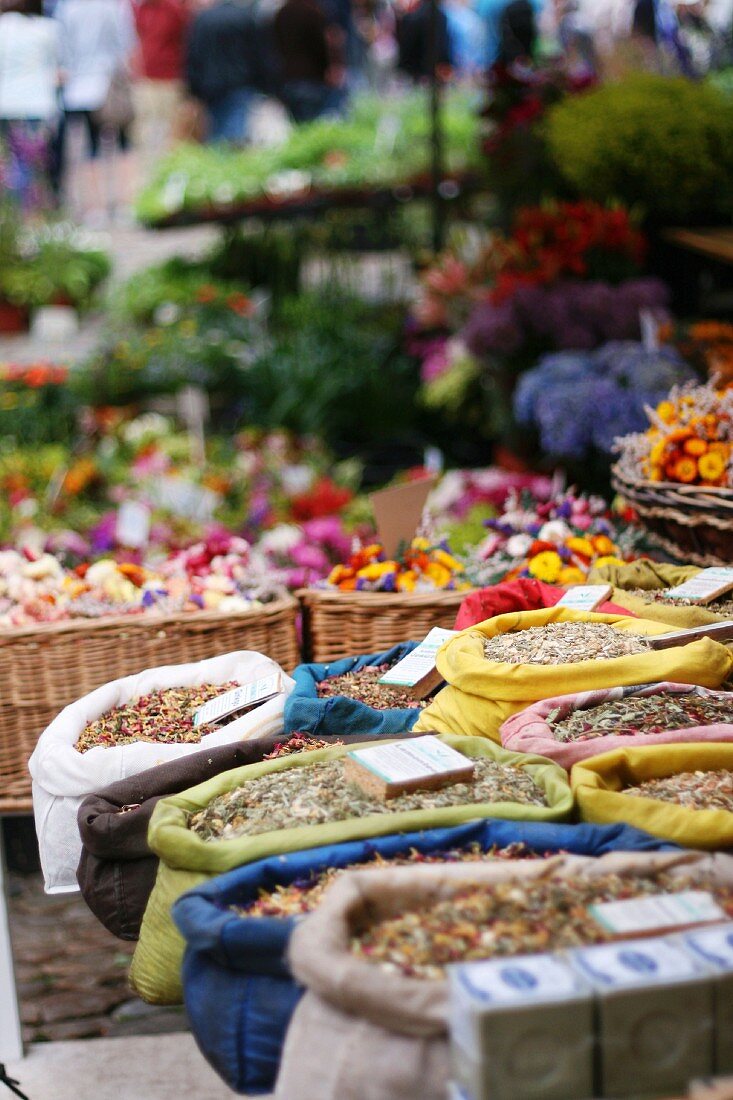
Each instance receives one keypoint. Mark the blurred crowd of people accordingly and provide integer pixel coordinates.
(81, 79)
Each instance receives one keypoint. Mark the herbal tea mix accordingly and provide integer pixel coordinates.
(711, 790)
(320, 793)
(512, 917)
(563, 643)
(722, 606)
(648, 714)
(362, 685)
(164, 716)
(305, 895)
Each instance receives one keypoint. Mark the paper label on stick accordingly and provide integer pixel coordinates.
(398, 512)
(418, 664)
(637, 962)
(704, 586)
(405, 761)
(585, 597)
(661, 911)
(521, 979)
(238, 699)
(133, 524)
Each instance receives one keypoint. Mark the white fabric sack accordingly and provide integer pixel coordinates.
(62, 777)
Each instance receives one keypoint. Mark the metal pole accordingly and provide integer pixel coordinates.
(436, 130)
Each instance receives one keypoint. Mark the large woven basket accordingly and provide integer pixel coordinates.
(692, 523)
(45, 667)
(346, 624)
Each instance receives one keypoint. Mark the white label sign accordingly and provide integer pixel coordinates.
(636, 962)
(660, 911)
(133, 524)
(585, 597)
(404, 761)
(418, 664)
(523, 978)
(704, 586)
(238, 699)
(714, 945)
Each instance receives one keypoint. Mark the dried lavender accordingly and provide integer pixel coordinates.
(699, 790)
(164, 716)
(362, 685)
(305, 895)
(509, 918)
(647, 714)
(320, 793)
(563, 643)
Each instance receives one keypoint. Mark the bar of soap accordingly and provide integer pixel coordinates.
(423, 764)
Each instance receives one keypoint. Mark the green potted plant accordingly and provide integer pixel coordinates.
(14, 315)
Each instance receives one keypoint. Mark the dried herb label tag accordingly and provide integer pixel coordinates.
(713, 945)
(522, 978)
(636, 963)
(585, 597)
(387, 771)
(238, 700)
(133, 524)
(635, 916)
(704, 586)
(417, 670)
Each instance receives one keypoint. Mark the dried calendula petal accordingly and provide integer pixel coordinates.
(563, 643)
(304, 895)
(164, 716)
(648, 714)
(321, 793)
(513, 917)
(701, 790)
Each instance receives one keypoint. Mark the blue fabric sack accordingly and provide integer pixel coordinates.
(306, 713)
(238, 990)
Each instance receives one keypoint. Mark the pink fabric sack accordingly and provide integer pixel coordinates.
(529, 730)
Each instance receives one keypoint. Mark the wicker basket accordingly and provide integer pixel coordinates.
(692, 523)
(45, 667)
(345, 624)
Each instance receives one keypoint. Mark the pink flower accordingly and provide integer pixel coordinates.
(436, 362)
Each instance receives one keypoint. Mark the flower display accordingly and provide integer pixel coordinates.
(707, 344)
(689, 441)
(564, 393)
(35, 402)
(421, 567)
(557, 541)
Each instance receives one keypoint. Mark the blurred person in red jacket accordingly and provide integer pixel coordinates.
(161, 30)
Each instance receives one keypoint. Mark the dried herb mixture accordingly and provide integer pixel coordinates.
(299, 742)
(164, 717)
(305, 895)
(722, 606)
(648, 714)
(563, 643)
(319, 793)
(362, 685)
(700, 790)
(510, 918)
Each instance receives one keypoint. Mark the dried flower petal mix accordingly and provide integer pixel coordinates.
(512, 917)
(320, 793)
(362, 684)
(701, 790)
(563, 643)
(648, 714)
(164, 716)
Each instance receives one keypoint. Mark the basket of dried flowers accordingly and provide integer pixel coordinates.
(371, 604)
(678, 475)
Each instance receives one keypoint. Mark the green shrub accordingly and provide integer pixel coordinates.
(662, 143)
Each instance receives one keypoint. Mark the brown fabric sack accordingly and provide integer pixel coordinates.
(387, 1033)
(117, 869)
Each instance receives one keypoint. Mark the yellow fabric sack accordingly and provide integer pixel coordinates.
(186, 859)
(653, 576)
(598, 783)
(482, 694)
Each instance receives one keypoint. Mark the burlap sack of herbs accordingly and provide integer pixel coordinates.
(276, 807)
(491, 672)
(387, 1030)
(639, 586)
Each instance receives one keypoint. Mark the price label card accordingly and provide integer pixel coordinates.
(704, 586)
(237, 700)
(522, 978)
(133, 524)
(636, 963)
(414, 669)
(585, 597)
(404, 761)
(661, 912)
(714, 945)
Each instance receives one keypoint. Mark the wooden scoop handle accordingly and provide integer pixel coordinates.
(719, 632)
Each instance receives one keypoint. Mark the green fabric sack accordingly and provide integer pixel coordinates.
(186, 860)
(653, 576)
